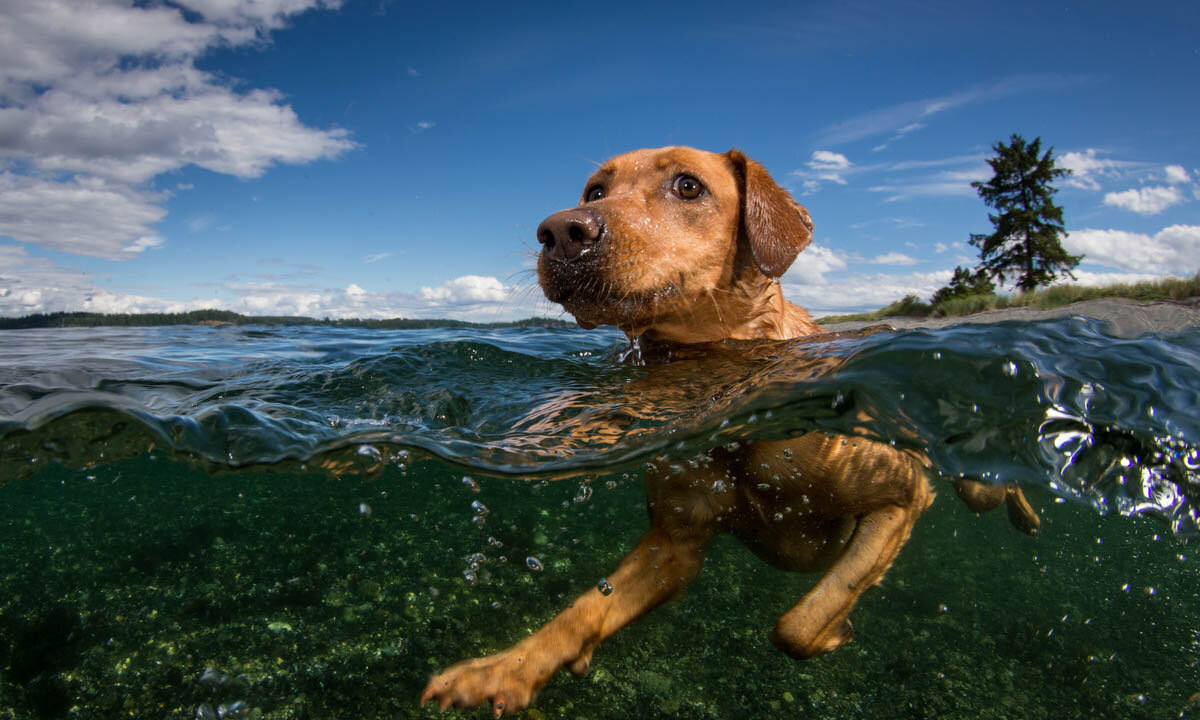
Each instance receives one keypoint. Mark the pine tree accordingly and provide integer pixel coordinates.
(964, 283)
(1026, 243)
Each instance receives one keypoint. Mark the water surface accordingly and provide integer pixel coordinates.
(309, 521)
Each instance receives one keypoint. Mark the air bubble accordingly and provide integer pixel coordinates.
(604, 586)
(533, 564)
(470, 483)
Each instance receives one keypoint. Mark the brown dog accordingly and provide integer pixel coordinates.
(677, 245)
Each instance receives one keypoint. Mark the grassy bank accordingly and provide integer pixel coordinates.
(1057, 296)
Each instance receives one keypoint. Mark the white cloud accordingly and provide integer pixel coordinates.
(830, 166)
(827, 160)
(466, 290)
(894, 258)
(31, 284)
(99, 97)
(910, 116)
(941, 247)
(376, 257)
(1177, 174)
(422, 126)
(812, 265)
(84, 215)
(856, 292)
(899, 135)
(1174, 249)
(1087, 167)
(1145, 201)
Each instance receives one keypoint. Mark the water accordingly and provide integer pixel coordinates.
(307, 522)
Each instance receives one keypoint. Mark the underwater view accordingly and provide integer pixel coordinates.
(308, 522)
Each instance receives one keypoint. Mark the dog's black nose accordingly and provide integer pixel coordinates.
(567, 234)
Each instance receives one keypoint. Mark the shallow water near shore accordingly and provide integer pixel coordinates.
(308, 522)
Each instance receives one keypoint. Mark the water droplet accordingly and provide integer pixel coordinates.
(604, 586)
(787, 453)
(533, 564)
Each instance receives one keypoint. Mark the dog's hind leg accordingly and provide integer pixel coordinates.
(820, 621)
(981, 497)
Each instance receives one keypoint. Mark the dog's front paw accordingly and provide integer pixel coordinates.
(508, 680)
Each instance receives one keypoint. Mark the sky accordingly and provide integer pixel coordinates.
(376, 158)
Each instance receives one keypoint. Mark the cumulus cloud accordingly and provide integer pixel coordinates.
(812, 265)
(467, 290)
(1177, 174)
(1147, 200)
(97, 98)
(31, 284)
(1172, 250)
(34, 284)
(857, 291)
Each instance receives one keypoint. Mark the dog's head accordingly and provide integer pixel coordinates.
(661, 232)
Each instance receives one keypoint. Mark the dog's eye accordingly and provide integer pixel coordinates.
(688, 187)
(593, 193)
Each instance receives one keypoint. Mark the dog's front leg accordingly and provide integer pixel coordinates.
(655, 571)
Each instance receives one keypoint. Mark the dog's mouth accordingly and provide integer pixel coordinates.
(595, 295)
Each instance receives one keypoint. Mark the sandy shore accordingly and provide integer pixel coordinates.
(1125, 318)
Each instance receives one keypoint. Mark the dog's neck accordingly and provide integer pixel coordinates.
(751, 310)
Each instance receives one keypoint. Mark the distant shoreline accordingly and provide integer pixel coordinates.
(218, 318)
(1125, 317)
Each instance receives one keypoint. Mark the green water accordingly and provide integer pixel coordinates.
(123, 585)
(140, 577)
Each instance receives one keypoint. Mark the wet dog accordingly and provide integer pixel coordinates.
(680, 246)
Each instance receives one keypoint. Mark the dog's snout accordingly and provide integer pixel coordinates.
(568, 234)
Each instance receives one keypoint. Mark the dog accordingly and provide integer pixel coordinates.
(679, 247)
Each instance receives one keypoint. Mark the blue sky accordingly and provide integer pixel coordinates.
(368, 158)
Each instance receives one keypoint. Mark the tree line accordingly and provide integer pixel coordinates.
(226, 317)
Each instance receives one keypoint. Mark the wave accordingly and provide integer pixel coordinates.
(1061, 404)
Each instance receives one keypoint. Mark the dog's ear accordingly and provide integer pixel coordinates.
(776, 226)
